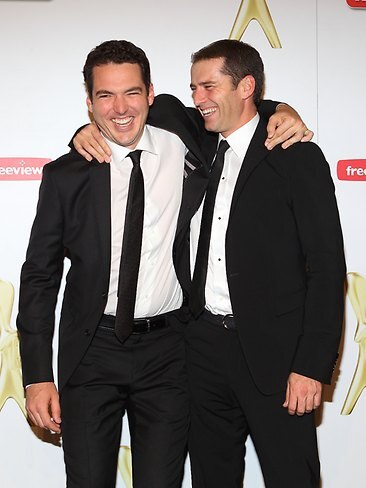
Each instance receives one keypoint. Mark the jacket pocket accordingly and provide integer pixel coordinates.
(290, 301)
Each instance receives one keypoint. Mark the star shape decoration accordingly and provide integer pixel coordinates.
(11, 385)
(255, 10)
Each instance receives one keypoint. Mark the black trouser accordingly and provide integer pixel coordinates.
(226, 407)
(145, 376)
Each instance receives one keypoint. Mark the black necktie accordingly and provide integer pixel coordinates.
(131, 250)
(197, 295)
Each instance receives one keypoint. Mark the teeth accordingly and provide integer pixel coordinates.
(124, 121)
(208, 111)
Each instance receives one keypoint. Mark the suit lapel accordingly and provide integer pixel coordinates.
(195, 182)
(168, 113)
(256, 152)
(101, 201)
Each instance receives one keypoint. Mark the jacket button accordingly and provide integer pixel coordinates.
(87, 332)
(104, 294)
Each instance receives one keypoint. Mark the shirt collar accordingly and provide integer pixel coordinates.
(240, 139)
(146, 143)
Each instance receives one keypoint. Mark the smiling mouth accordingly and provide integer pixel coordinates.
(123, 122)
(206, 112)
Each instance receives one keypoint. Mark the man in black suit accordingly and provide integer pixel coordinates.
(268, 272)
(81, 214)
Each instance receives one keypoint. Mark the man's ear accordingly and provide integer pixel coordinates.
(89, 104)
(151, 94)
(247, 86)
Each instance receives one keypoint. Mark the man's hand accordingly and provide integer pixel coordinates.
(90, 143)
(303, 394)
(286, 126)
(43, 406)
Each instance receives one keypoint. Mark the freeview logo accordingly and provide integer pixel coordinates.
(352, 169)
(357, 3)
(12, 169)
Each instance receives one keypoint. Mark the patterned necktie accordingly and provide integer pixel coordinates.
(131, 250)
(197, 295)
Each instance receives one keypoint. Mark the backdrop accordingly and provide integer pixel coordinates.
(312, 52)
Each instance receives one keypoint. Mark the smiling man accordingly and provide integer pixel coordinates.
(121, 347)
(118, 347)
(268, 270)
(119, 99)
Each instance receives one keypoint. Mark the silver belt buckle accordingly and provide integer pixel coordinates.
(223, 320)
(148, 325)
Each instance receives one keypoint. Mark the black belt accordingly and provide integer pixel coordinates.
(226, 321)
(139, 326)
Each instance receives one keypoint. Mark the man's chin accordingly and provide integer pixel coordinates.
(210, 127)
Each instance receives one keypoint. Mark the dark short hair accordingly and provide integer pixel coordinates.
(117, 52)
(240, 60)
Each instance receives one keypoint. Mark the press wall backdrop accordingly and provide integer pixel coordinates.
(314, 55)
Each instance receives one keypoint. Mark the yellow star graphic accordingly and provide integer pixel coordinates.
(125, 465)
(11, 385)
(357, 295)
(255, 10)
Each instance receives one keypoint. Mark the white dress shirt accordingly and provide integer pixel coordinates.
(217, 290)
(162, 164)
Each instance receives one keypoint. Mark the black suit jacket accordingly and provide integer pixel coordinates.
(73, 217)
(284, 262)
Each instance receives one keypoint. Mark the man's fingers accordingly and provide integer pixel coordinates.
(42, 418)
(83, 153)
(303, 135)
(271, 128)
(89, 142)
(304, 394)
(278, 138)
(318, 397)
(308, 135)
(39, 416)
(97, 149)
(284, 133)
(90, 149)
(55, 411)
(43, 406)
(32, 418)
(291, 400)
(288, 134)
(292, 405)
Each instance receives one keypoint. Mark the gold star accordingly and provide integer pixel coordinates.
(255, 10)
(125, 465)
(11, 385)
(357, 295)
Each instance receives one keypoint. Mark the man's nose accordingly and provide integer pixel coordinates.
(120, 105)
(199, 96)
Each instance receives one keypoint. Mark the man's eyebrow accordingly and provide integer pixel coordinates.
(134, 88)
(131, 89)
(202, 83)
(103, 92)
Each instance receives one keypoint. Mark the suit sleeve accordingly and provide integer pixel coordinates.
(266, 108)
(169, 112)
(39, 285)
(316, 215)
(71, 143)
